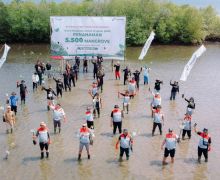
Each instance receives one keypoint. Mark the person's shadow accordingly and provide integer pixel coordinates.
(30, 159)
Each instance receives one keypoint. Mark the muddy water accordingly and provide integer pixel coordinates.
(166, 63)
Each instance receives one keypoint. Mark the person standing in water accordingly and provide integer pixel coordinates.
(191, 106)
(50, 96)
(126, 99)
(35, 80)
(157, 85)
(158, 119)
(146, 71)
(126, 143)
(85, 65)
(43, 138)
(204, 144)
(170, 146)
(127, 72)
(137, 77)
(89, 118)
(9, 119)
(59, 87)
(13, 101)
(116, 119)
(23, 90)
(85, 138)
(58, 115)
(97, 105)
(117, 70)
(174, 90)
(187, 126)
(66, 80)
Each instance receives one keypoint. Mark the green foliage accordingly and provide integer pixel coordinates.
(29, 22)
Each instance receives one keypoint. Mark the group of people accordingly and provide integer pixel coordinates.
(86, 132)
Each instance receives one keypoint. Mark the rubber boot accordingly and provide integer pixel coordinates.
(47, 153)
(48, 108)
(42, 155)
(79, 157)
(59, 130)
(206, 160)
(88, 156)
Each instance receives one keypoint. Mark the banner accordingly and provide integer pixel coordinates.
(4, 56)
(191, 62)
(146, 46)
(87, 36)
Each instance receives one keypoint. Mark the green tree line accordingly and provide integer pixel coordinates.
(29, 22)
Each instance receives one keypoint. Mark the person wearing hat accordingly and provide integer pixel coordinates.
(58, 115)
(43, 138)
(13, 100)
(204, 143)
(157, 85)
(174, 90)
(35, 80)
(59, 86)
(50, 96)
(9, 119)
(117, 70)
(158, 119)
(170, 146)
(116, 119)
(89, 118)
(23, 90)
(126, 143)
(85, 138)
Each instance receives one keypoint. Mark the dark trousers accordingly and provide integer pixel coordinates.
(14, 108)
(85, 69)
(98, 111)
(44, 145)
(67, 85)
(137, 84)
(94, 74)
(117, 125)
(124, 150)
(173, 95)
(125, 79)
(202, 151)
(22, 97)
(59, 91)
(159, 126)
(73, 80)
(34, 86)
(40, 78)
(188, 132)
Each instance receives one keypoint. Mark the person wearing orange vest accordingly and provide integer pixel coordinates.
(170, 146)
(116, 119)
(85, 139)
(89, 118)
(204, 143)
(187, 126)
(158, 120)
(44, 139)
(126, 143)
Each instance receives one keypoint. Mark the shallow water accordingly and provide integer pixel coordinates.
(167, 63)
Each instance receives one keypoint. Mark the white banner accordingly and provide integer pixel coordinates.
(191, 62)
(87, 36)
(146, 46)
(4, 56)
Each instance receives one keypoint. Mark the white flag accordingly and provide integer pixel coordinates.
(191, 62)
(4, 56)
(146, 46)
